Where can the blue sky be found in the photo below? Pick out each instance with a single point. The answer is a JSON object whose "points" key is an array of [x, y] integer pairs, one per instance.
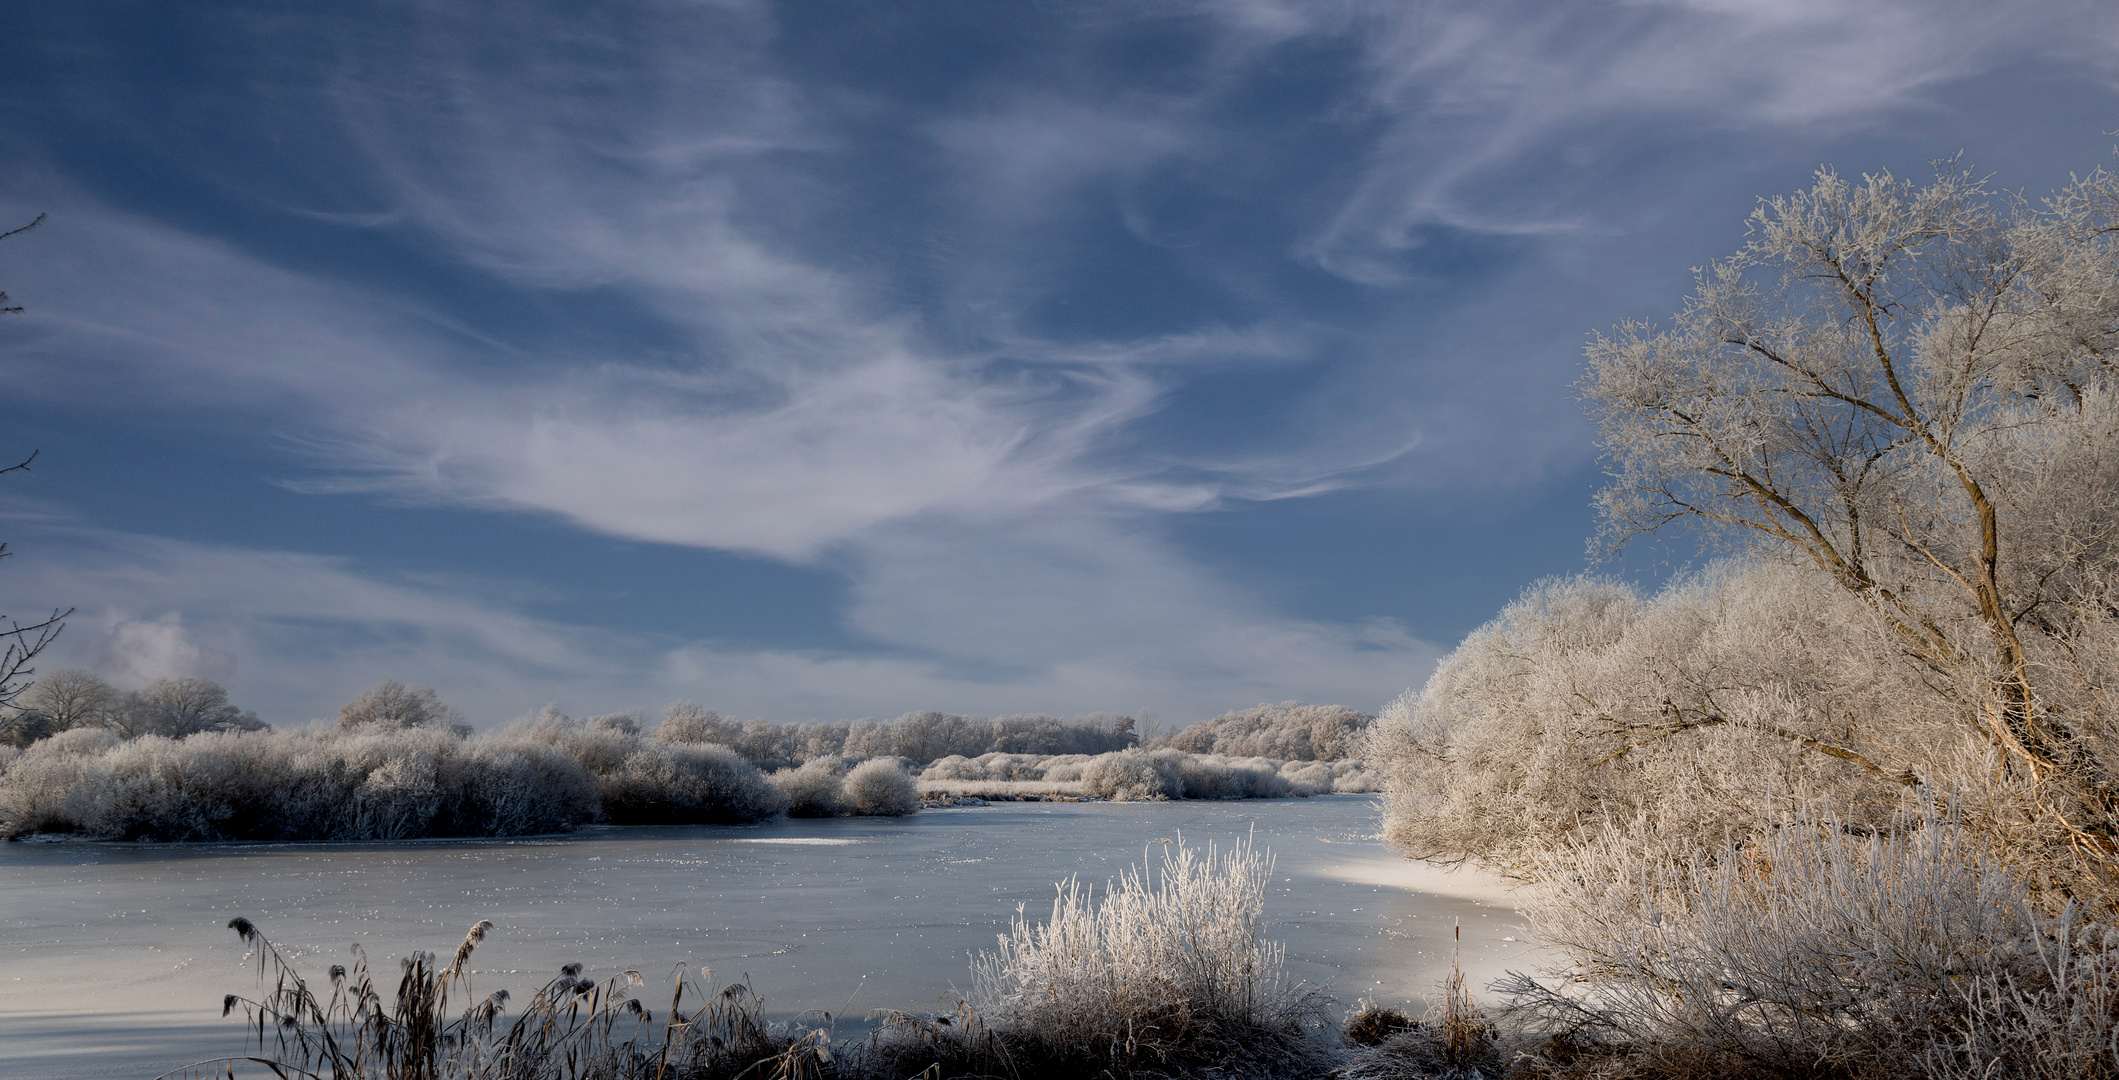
{"points": [[820, 360]]}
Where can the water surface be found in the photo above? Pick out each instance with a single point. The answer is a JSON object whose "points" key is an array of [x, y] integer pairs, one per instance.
{"points": [[114, 957]]}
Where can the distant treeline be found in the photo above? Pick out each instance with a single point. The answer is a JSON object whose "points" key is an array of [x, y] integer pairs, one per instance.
{"points": [[64, 700], [1289, 731], [397, 766], [1136, 774], [918, 737], [174, 761]]}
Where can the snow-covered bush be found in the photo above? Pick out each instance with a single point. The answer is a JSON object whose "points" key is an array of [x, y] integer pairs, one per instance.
{"points": [[959, 767], [1017, 766], [1066, 768], [315, 784], [1128, 776], [1315, 776], [814, 789], [682, 784], [1203, 776], [1895, 953], [374, 781], [1169, 967], [881, 787], [1709, 706]]}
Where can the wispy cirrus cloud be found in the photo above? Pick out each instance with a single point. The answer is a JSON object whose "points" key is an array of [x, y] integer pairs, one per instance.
{"points": [[1489, 107], [295, 635], [970, 330]]}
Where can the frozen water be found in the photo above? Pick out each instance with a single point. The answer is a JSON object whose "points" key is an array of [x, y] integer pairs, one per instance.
{"points": [[114, 957]]}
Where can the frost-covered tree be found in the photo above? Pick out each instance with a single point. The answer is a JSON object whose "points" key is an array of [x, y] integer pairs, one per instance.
{"points": [[1910, 390], [178, 707], [391, 704], [59, 701]]}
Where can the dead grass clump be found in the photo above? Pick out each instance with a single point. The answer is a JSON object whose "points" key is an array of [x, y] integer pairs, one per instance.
{"points": [[1454, 1041], [436, 1026], [1169, 970], [1373, 1024]]}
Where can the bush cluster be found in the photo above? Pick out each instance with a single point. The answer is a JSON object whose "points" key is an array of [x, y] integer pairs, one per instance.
{"points": [[830, 786], [916, 737], [1289, 731], [315, 784], [373, 781], [1137, 774]]}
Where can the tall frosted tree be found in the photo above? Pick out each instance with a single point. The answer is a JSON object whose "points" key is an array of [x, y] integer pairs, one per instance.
{"points": [[1910, 389]]}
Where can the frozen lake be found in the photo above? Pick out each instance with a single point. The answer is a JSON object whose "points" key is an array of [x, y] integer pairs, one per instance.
{"points": [[114, 957]]}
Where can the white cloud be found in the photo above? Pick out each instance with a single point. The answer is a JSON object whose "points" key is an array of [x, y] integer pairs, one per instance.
{"points": [[139, 651], [1482, 98], [296, 635]]}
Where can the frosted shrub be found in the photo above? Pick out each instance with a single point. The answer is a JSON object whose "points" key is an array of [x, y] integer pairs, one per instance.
{"points": [[994, 766], [1355, 776], [1287, 731], [931, 736], [688, 785], [78, 741], [1705, 706], [662, 780], [301, 785], [958, 767], [685, 722], [1014, 766], [1170, 966], [880, 787], [1216, 777], [1812, 948], [919, 737], [1129, 776], [600, 743], [814, 789], [521, 787], [1066, 768], [1311, 775]]}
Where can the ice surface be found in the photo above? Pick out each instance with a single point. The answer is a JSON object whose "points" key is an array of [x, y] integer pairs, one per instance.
{"points": [[114, 957]]}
